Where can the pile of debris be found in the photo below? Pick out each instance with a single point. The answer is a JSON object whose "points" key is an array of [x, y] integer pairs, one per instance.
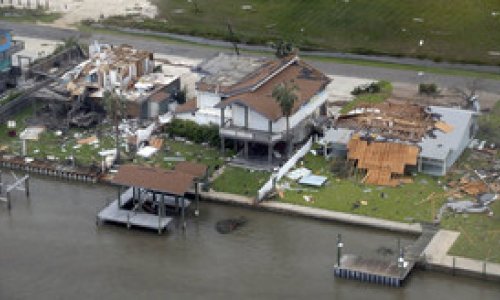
{"points": [[393, 120]]}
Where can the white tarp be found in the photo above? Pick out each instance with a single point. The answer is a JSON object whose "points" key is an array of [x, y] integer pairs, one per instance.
{"points": [[147, 151], [313, 180], [298, 173]]}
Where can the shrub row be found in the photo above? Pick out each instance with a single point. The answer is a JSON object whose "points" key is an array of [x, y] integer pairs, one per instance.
{"points": [[194, 132]]}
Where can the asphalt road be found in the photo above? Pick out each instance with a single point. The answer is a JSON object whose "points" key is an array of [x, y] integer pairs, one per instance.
{"points": [[201, 52]]}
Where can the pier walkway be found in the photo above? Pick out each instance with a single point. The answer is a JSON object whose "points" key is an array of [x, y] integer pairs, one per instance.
{"points": [[391, 273]]}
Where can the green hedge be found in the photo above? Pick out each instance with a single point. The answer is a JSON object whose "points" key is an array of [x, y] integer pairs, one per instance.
{"points": [[194, 132]]}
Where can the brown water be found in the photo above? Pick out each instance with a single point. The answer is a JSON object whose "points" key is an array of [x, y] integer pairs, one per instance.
{"points": [[50, 248]]}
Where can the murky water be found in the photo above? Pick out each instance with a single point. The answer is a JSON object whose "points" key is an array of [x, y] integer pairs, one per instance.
{"points": [[50, 248]]}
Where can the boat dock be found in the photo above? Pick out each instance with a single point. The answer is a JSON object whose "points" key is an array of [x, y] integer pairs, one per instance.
{"points": [[115, 213], [150, 193], [391, 273]]}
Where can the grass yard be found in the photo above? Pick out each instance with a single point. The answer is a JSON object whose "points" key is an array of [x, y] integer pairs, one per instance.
{"points": [[480, 238], [240, 181], [406, 203], [464, 31], [385, 92], [190, 151]]}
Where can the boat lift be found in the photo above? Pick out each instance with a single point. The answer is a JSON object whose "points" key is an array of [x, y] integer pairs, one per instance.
{"points": [[17, 185], [156, 187]]}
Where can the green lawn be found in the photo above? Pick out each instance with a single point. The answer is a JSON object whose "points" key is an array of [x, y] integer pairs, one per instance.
{"points": [[480, 234], [240, 181], [385, 92], [464, 31], [191, 152], [404, 203]]}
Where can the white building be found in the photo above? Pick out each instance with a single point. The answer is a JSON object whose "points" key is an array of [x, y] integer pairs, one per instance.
{"points": [[440, 151], [33, 4]]}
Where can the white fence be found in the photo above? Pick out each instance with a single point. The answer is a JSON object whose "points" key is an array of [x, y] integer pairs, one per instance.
{"points": [[275, 177]]}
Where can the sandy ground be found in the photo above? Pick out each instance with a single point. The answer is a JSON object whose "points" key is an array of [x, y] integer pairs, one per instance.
{"points": [[341, 86], [35, 48], [77, 10]]}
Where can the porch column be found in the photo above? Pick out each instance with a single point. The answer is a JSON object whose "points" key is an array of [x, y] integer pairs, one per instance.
{"points": [[245, 150], [222, 121], [270, 154], [119, 197], [222, 118], [246, 117], [270, 145]]}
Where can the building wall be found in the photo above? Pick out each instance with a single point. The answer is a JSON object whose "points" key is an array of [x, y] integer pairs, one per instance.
{"points": [[206, 100], [440, 167], [464, 142], [256, 121], [206, 117]]}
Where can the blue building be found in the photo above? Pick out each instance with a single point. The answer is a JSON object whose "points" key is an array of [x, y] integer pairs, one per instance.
{"points": [[8, 73]]}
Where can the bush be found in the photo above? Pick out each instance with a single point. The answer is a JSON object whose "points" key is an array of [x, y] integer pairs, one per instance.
{"points": [[372, 88], [194, 132], [428, 88]]}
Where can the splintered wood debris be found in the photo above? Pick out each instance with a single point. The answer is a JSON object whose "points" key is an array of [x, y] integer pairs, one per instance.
{"points": [[393, 119]]}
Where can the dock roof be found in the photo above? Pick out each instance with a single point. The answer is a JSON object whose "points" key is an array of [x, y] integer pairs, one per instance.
{"points": [[155, 179], [191, 168]]}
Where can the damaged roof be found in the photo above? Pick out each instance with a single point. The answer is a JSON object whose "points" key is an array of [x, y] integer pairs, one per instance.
{"points": [[308, 80], [394, 120]]}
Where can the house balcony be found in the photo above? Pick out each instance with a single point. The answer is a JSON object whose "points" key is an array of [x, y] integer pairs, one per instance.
{"points": [[246, 134]]}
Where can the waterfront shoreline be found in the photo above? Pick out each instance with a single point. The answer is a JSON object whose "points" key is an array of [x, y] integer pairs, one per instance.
{"points": [[436, 257]]}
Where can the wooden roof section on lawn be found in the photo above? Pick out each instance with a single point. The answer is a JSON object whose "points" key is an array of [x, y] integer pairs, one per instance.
{"points": [[382, 160], [155, 179]]}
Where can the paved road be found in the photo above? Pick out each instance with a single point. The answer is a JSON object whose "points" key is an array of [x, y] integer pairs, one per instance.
{"points": [[193, 51]]}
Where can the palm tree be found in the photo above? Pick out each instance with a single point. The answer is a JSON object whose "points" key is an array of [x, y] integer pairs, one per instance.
{"points": [[115, 108], [285, 94]]}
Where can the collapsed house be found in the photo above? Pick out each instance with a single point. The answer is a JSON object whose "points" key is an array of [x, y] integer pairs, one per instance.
{"points": [[126, 71], [393, 137], [236, 94]]}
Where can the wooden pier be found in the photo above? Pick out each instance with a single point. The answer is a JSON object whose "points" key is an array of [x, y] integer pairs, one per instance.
{"points": [[390, 273]]}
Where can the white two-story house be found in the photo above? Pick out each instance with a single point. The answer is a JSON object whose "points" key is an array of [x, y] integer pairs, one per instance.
{"points": [[236, 95]]}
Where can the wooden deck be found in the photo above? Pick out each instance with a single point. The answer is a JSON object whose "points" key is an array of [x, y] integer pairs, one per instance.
{"points": [[384, 272]]}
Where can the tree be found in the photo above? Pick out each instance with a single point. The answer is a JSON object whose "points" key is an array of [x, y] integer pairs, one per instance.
{"points": [[115, 109], [283, 48], [285, 94], [469, 92]]}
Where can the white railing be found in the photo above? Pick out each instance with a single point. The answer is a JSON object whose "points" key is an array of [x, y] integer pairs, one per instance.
{"points": [[275, 177]]}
